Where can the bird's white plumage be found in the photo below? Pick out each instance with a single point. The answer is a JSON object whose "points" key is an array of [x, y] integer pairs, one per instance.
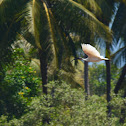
{"points": [[90, 50], [93, 54]]}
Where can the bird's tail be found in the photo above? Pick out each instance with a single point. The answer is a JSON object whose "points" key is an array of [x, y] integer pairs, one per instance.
{"points": [[105, 59]]}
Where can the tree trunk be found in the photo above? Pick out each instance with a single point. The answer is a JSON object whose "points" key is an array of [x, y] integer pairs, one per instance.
{"points": [[123, 112], [121, 78], [118, 85], [43, 67], [108, 79], [86, 81]]}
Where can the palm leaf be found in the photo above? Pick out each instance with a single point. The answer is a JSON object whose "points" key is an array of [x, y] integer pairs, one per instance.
{"points": [[9, 26], [120, 23], [67, 48], [64, 48], [36, 22], [107, 9], [44, 32], [92, 16], [81, 21], [119, 56], [92, 6], [54, 45]]}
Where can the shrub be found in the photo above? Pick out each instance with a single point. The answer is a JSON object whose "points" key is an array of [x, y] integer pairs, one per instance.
{"points": [[18, 87], [65, 106]]}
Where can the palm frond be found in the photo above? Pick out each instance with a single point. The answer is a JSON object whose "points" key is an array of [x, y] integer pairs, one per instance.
{"points": [[65, 48], [55, 48], [92, 6], [14, 6], [8, 25], [36, 22], [92, 16], [108, 9], [119, 25], [119, 56], [80, 20], [29, 37]]}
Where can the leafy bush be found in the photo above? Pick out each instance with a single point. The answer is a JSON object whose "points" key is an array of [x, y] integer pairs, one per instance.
{"points": [[65, 106], [3, 120], [18, 87]]}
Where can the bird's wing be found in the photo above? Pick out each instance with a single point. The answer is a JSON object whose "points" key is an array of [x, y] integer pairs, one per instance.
{"points": [[90, 50]]}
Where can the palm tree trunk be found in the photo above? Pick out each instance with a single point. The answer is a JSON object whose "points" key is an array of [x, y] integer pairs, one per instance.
{"points": [[108, 79], [121, 78], [123, 112], [117, 87], [86, 80], [43, 67]]}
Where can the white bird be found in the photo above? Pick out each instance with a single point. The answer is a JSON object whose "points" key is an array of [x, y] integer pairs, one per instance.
{"points": [[92, 53]]}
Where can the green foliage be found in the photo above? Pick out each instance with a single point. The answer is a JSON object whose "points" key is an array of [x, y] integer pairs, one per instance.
{"points": [[3, 120], [18, 86], [65, 106], [117, 104], [97, 78], [49, 29]]}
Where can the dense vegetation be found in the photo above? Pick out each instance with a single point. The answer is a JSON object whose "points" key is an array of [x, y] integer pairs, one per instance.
{"points": [[39, 85], [68, 107]]}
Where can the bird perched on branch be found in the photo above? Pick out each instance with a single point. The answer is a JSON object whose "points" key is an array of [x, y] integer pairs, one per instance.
{"points": [[92, 53]]}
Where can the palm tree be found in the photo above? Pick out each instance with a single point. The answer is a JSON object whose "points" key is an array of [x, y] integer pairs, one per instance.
{"points": [[50, 29], [94, 7], [120, 37], [117, 28], [120, 55], [48, 25], [106, 19]]}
